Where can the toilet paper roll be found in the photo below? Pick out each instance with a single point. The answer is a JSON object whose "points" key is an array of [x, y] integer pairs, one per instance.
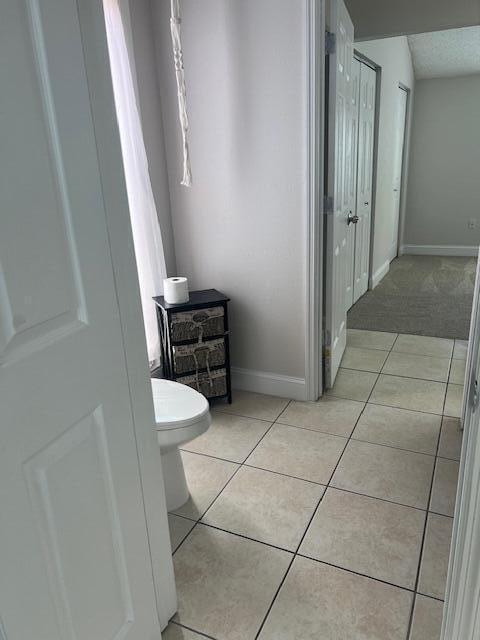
{"points": [[175, 290]]}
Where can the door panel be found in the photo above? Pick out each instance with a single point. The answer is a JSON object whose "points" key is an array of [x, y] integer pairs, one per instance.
{"points": [[58, 486], [352, 178], [74, 549], [340, 175], [364, 193], [398, 147]]}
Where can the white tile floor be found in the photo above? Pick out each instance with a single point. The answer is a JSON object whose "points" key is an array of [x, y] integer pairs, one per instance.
{"points": [[327, 520]]}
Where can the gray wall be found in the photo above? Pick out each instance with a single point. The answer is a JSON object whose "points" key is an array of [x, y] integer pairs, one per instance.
{"points": [[444, 183], [240, 227], [393, 56], [385, 18]]}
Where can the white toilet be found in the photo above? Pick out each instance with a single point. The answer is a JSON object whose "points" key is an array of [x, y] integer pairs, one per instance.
{"points": [[181, 414]]}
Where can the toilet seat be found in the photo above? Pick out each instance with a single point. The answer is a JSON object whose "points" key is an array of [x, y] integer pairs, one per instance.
{"points": [[176, 405]]}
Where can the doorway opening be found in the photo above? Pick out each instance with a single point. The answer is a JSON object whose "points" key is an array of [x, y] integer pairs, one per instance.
{"points": [[424, 240], [400, 344]]}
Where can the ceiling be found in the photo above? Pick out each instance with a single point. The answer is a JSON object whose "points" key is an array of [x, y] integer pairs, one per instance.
{"points": [[454, 52], [386, 18]]}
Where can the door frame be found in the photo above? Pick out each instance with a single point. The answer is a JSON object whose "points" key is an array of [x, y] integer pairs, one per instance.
{"points": [[462, 597], [315, 195], [461, 612], [107, 137], [404, 174]]}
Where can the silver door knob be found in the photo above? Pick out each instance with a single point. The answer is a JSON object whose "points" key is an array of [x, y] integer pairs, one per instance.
{"points": [[352, 218]]}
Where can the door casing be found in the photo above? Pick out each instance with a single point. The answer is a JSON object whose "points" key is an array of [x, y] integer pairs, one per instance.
{"points": [[315, 57], [461, 617], [403, 173]]}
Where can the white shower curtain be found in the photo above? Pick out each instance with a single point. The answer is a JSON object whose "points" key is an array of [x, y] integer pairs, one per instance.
{"points": [[145, 226]]}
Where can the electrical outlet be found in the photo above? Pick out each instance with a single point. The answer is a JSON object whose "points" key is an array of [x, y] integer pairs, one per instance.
{"points": [[472, 223]]}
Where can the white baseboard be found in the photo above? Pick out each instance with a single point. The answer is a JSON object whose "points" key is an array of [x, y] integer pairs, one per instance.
{"points": [[379, 274], [438, 250], [272, 384]]}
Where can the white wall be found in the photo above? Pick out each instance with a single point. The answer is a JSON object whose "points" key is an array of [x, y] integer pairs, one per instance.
{"points": [[393, 56], [240, 228], [444, 183], [137, 21], [385, 18]]}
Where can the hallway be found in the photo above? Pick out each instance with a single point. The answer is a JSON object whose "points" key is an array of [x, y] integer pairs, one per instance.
{"points": [[421, 295], [329, 519]]}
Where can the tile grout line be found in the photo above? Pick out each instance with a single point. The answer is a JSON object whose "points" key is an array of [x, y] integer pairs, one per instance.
{"points": [[301, 540], [275, 595], [335, 435], [328, 485], [412, 609], [395, 341], [184, 626], [240, 465], [448, 378], [350, 437], [358, 573], [400, 375], [317, 560], [241, 415], [364, 402], [244, 537], [296, 553], [422, 545], [318, 484]]}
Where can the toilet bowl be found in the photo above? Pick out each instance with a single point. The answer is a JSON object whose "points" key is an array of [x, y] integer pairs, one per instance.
{"points": [[181, 414]]}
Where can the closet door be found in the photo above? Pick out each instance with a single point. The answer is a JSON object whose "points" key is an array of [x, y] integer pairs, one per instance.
{"points": [[351, 175], [364, 180]]}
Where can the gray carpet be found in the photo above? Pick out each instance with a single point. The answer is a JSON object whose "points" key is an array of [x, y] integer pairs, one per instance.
{"points": [[423, 295]]}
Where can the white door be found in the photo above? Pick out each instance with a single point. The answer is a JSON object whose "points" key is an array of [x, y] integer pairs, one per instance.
{"points": [[338, 187], [352, 161], [461, 616], [74, 552], [398, 146], [364, 193]]}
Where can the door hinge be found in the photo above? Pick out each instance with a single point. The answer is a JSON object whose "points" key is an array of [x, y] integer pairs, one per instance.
{"points": [[330, 42], [326, 338], [327, 204], [474, 396]]}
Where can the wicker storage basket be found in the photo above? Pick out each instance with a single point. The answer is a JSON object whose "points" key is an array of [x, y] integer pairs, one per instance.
{"points": [[201, 355], [198, 324], [210, 386]]}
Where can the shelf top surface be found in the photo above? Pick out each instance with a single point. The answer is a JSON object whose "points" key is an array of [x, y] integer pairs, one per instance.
{"points": [[196, 298]]}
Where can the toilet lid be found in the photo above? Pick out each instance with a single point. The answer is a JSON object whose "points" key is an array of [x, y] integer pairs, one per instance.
{"points": [[177, 405]]}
